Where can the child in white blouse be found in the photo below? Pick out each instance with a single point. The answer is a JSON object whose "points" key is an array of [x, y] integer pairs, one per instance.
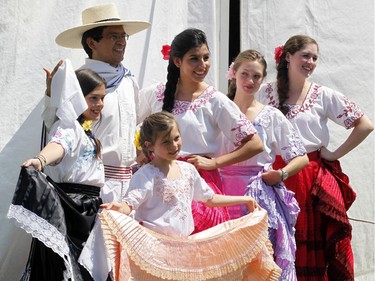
{"points": [[161, 192], [60, 210]]}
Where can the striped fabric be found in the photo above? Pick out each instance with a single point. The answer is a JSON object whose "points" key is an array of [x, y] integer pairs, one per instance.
{"points": [[117, 173]]}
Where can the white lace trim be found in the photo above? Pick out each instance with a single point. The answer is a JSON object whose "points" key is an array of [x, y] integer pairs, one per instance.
{"points": [[46, 233]]}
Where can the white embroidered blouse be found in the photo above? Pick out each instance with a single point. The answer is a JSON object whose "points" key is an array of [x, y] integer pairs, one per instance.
{"points": [[311, 117], [279, 138], [201, 121], [79, 164], [164, 205]]}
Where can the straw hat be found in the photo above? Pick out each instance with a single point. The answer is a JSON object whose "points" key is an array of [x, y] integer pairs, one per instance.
{"points": [[103, 15]]}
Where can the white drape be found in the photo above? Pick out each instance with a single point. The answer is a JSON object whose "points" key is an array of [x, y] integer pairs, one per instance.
{"points": [[28, 30], [344, 31], [343, 28]]}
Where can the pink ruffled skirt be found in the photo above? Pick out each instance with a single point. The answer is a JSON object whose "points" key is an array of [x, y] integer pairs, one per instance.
{"points": [[234, 250]]}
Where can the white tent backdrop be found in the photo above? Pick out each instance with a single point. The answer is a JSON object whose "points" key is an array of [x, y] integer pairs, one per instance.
{"points": [[344, 30], [28, 30]]}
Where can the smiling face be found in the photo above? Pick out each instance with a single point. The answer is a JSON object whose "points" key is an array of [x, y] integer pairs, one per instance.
{"points": [[249, 77], [167, 145], [111, 48], [95, 103], [304, 61], [194, 65]]}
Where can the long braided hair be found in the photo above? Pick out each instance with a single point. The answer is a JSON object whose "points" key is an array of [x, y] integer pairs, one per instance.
{"points": [[248, 55], [294, 44], [89, 80], [181, 44]]}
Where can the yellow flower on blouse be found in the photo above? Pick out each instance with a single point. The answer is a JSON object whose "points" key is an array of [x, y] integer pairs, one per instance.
{"points": [[87, 125]]}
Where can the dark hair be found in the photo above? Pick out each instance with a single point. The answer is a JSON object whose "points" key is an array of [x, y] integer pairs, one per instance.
{"points": [[294, 44], [181, 44], [248, 55], [160, 122], [89, 80], [96, 34]]}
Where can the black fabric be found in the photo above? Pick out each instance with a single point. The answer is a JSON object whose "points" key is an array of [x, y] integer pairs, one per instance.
{"points": [[70, 208]]}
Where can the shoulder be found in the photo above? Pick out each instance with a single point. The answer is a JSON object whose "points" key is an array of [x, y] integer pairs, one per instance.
{"points": [[185, 165], [274, 112], [325, 91], [218, 99], [66, 125], [212, 92], [132, 80], [327, 95], [154, 90], [268, 87], [187, 168], [269, 116], [267, 93], [144, 173]]}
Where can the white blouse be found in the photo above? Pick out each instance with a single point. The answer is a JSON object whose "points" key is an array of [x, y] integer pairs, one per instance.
{"points": [[279, 138], [117, 125], [79, 164], [164, 205], [201, 121], [310, 119]]}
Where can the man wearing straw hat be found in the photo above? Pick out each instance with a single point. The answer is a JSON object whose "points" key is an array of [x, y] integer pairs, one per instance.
{"points": [[104, 37]]}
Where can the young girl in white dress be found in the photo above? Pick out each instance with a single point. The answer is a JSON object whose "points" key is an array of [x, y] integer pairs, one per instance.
{"points": [[255, 176], [161, 193], [59, 210]]}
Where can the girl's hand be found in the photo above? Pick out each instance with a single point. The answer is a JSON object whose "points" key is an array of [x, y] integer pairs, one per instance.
{"points": [[251, 204], [271, 177], [33, 162], [201, 162], [326, 154], [121, 207], [49, 76]]}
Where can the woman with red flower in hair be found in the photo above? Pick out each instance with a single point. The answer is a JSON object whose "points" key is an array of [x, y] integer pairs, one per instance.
{"points": [[203, 114], [323, 232]]}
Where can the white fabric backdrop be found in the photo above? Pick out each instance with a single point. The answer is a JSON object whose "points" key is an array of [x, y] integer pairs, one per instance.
{"points": [[28, 30], [344, 31]]}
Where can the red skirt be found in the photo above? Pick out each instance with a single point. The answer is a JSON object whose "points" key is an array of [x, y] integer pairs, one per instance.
{"points": [[207, 217], [323, 231]]}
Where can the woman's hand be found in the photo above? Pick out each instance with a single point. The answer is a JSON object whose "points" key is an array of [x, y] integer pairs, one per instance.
{"points": [[327, 155], [201, 162], [271, 177]]}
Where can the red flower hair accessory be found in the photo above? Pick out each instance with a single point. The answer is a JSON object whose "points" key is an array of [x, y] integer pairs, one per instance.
{"points": [[165, 51], [278, 52]]}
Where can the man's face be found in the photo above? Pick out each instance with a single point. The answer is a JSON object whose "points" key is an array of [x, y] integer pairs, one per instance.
{"points": [[111, 48]]}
